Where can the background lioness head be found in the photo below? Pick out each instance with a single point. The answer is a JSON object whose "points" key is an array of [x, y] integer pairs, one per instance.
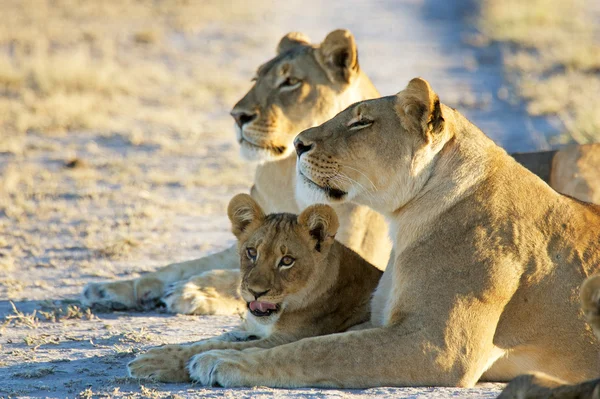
{"points": [[281, 254], [304, 85], [384, 145], [590, 301]]}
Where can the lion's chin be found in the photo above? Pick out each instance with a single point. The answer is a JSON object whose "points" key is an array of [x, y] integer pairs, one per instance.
{"points": [[308, 192], [254, 153]]}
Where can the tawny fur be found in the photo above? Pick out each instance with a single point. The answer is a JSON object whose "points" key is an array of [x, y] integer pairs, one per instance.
{"points": [[330, 80], [488, 259], [326, 78], [327, 289], [535, 386]]}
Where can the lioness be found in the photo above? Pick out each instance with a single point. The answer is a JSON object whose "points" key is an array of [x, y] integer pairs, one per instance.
{"points": [[488, 259], [297, 282], [304, 85], [544, 386]]}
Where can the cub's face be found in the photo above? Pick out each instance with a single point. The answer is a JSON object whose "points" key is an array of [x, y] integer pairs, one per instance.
{"points": [[375, 152], [304, 85], [281, 255]]}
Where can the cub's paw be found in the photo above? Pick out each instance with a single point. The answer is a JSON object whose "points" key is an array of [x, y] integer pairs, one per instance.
{"points": [[216, 368], [165, 364], [201, 296], [590, 302]]}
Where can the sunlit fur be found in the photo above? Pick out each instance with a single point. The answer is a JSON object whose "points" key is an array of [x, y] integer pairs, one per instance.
{"points": [[487, 265], [544, 386], [329, 78], [326, 290]]}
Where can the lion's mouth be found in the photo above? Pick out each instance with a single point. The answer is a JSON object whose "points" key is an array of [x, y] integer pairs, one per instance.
{"points": [[331, 192], [278, 150], [262, 309]]}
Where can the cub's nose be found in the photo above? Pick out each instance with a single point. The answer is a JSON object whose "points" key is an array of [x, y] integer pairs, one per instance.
{"points": [[301, 147], [243, 117], [258, 294]]}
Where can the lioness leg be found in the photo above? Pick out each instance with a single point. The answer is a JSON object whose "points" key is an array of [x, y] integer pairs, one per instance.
{"points": [[391, 356], [146, 291], [169, 363]]}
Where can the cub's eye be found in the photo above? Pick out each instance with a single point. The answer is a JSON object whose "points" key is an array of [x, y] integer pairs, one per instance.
{"points": [[251, 252], [286, 261], [290, 83], [359, 124]]}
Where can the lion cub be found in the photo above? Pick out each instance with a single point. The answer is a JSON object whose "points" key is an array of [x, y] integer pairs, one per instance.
{"points": [[544, 386], [296, 279]]}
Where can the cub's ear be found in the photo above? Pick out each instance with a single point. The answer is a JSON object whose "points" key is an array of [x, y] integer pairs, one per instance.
{"points": [[590, 302], [322, 224], [291, 40], [338, 55], [419, 108], [244, 211]]}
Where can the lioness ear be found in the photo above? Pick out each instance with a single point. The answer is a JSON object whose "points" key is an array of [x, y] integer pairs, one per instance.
{"points": [[243, 211], [291, 40], [338, 56], [419, 107], [322, 223]]}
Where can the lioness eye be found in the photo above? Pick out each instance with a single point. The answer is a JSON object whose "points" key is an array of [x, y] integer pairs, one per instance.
{"points": [[251, 252], [289, 82], [286, 261], [360, 124]]}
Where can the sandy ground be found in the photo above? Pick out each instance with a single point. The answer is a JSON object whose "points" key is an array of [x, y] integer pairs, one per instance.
{"points": [[93, 204]]}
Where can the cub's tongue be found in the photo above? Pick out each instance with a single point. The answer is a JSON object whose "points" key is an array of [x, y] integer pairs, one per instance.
{"points": [[262, 306]]}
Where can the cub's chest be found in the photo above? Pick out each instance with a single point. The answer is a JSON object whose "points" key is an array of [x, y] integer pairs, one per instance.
{"points": [[260, 326]]}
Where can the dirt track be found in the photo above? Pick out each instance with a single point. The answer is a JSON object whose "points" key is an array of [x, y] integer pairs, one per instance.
{"points": [[148, 185]]}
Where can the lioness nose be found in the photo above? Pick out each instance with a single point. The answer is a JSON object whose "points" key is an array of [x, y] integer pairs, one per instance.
{"points": [[301, 147], [258, 294], [242, 117]]}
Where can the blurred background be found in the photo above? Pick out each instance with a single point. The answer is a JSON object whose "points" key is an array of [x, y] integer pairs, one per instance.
{"points": [[117, 153]]}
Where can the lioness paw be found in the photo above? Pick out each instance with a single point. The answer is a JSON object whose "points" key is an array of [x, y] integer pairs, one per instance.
{"points": [[109, 296], [143, 293], [165, 364], [187, 298], [216, 368], [199, 296]]}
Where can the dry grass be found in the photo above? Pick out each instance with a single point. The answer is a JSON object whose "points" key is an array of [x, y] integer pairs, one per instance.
{"points": [[63, 67], [111, 114], [19, 318], [552, 56]]}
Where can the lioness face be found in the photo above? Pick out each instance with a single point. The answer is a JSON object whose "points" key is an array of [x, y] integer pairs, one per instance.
{"points": [[382, 145], [304, 85], [281, 255]]}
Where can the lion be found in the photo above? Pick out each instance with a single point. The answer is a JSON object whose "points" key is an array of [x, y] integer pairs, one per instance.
{"points": [[303, 86], [543, 386], [297, 282], [487, 259]]}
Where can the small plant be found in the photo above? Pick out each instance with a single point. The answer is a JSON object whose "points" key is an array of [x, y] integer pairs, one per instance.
{"points": [[19, 318]]}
